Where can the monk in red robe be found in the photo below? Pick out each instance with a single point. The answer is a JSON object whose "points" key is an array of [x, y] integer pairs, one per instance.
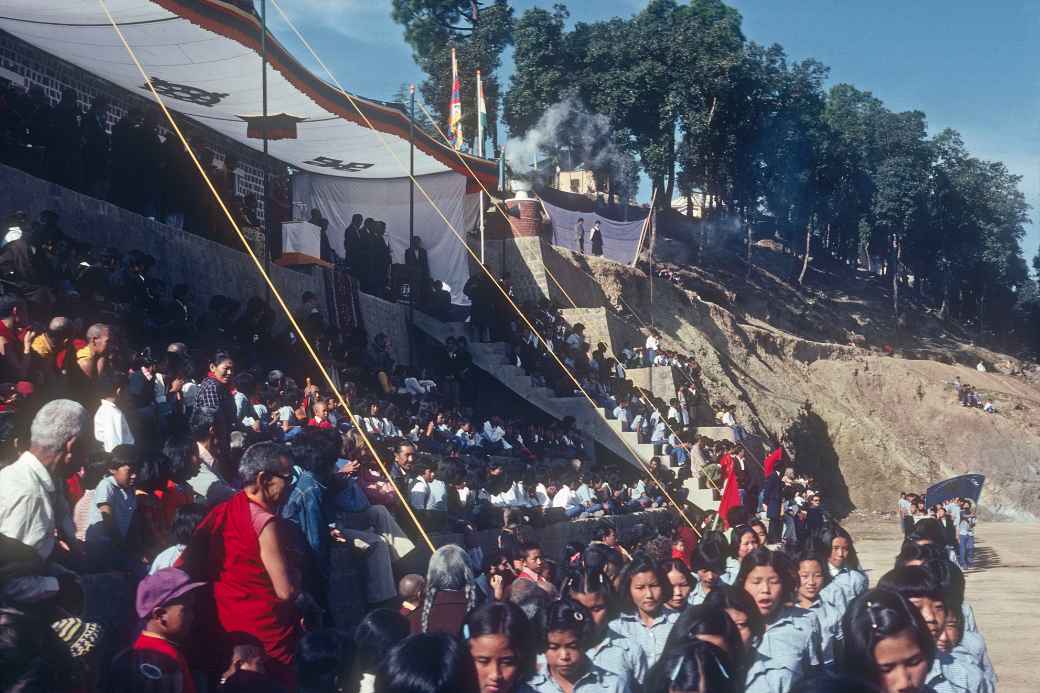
{"points": [[240, 548]]}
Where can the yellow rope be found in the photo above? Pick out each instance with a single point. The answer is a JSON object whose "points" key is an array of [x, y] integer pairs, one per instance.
{"points": [[469, 250], [274, 289]]}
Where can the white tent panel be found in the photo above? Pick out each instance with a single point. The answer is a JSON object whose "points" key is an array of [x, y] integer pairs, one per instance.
{"points": [[202, 56], [339, 199]]}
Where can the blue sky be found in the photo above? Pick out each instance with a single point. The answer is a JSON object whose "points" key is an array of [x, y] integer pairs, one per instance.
{"points": [[969, 66]]}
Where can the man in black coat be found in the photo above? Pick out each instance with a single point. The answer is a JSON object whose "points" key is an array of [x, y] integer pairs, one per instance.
{"points": [[772, 497]]}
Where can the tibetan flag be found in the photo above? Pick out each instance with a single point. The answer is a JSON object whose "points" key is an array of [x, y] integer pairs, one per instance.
{"points": [[481, 116], [455, 122]]}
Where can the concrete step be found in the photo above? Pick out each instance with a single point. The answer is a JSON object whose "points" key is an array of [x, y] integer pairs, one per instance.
{"points": [[716, 432]]}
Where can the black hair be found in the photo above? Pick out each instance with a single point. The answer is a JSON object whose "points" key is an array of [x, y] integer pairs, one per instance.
{"points": [[319, 658], [584, 580], [426, 663], [572, 552], [913, 581], [179, 451], [528, 546], [693, 667], [603, 530], [508, 619], [598, 556], [110, 383], [730, 597], [641, 563], [202, 420], [874, 615], [764, 558], [185, 519], [570, 616], [125, 454], [706, 620], [96, 468], [8, 303], [928, 529], [911, 551], [679, 566], [830, 682], [219, 357], [951, 579], [709, 555], [378, 631], [827, 537], [736, 535], [811, 552], [151, 473]]}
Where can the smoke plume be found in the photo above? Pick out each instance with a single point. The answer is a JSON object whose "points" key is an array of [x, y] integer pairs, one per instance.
{"points": [[571, 136]]}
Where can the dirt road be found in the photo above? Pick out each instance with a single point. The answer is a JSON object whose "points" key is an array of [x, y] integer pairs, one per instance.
{"points": [[1002, 588]]}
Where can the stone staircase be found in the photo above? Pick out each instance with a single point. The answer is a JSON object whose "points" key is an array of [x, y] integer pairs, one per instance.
{"points": [[595, 422]]}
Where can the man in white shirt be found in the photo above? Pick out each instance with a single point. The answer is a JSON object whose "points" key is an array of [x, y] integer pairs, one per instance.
{"points": [[565, 498], [651, 349], [32, 509], [576, 338], [110, 425]]}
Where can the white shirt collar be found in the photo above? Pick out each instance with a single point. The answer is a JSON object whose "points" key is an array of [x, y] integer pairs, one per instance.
{"points": [[36, 468]]}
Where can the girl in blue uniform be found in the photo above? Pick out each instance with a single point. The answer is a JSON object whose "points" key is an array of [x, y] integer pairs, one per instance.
{"points": [[886, 643], [789, 650]]}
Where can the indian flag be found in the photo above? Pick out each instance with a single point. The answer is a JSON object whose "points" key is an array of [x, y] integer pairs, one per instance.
{"points": [[455, 121], [481, 116]]}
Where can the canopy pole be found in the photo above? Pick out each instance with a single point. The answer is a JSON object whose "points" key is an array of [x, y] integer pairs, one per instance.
{"points": [[263, 131], [411, 227]]}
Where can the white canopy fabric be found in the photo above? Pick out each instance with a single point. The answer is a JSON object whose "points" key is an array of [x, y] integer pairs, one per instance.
{"points": [[203, 57], [338, 199]]}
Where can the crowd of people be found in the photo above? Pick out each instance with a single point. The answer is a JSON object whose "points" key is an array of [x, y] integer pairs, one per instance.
{"points": [[180, 475], [969, 396], [955, 515]]}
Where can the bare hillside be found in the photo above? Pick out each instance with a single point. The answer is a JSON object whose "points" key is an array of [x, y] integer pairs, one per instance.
{"points": [[861, 400]]}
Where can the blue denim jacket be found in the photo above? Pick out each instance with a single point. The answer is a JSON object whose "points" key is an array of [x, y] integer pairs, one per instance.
{"points": [[305, 508]]}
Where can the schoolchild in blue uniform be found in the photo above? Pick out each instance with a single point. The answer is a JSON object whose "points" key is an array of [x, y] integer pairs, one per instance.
{"points": [[568, 629], [847, 580], [813, 577], [709, 565], [923, 586], [606, 649], [743, 540], [502, 644], [696, 665], [790, 648], [886, 643], [642, 594]]}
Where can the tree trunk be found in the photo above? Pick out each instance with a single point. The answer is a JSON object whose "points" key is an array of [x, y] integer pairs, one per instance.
{"points": [[808, 247], [894, 269], [750, 244]]}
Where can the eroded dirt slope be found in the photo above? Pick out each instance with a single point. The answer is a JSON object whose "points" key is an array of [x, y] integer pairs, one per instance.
{"points": [[822, 379]]}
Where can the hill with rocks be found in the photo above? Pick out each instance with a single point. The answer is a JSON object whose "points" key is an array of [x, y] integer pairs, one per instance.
{"points": [[863, 401]]}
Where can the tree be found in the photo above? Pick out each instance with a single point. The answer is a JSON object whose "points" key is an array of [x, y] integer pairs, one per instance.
{"points": [[899, 205], [543, 69], [479, 31]]}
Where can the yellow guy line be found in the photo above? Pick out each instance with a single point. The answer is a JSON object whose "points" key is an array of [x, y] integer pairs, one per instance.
{"points": [[274, 290], [469, 250]]}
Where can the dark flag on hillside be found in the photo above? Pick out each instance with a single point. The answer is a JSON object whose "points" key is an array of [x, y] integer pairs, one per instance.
{"points": [[967, 486]]}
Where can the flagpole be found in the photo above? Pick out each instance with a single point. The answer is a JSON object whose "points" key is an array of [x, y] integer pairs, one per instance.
{"points": [[411, 226], [263, 131], [480, 152]]}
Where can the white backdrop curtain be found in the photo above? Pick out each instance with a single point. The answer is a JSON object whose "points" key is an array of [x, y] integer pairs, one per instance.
{"points": [[339, 199], [619, 237]]}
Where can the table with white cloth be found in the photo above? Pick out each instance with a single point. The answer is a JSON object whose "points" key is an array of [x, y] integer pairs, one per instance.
{"points": [[301, 244]]}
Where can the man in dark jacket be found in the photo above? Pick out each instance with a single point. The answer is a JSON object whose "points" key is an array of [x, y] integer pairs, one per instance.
{"points": [[772, 494]]}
